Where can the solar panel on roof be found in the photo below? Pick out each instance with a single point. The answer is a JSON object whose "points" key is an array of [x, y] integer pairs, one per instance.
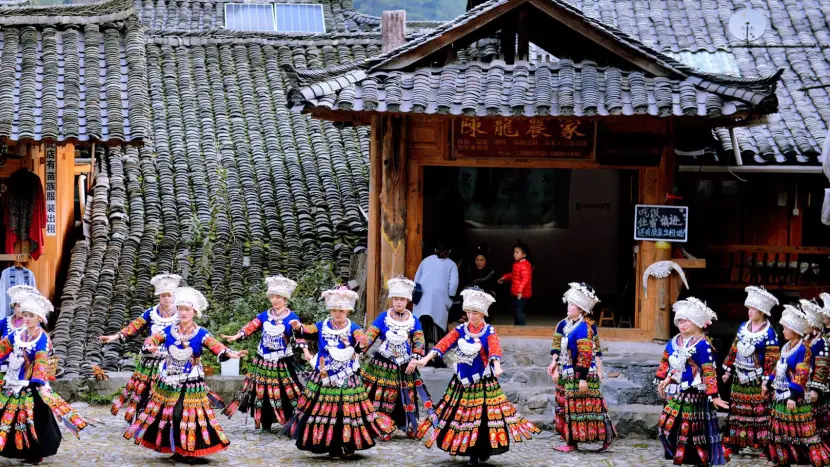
{"points": [[249, 17], [299, 17]]}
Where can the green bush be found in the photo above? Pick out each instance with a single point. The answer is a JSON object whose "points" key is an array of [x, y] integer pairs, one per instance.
{"points": [[228, 318]]}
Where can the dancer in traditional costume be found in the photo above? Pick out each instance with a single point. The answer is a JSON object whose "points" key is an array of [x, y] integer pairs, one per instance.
{"points": [[687, 379], [178, 417], [334, 414], [154, 319], [793, 438], [392, 390], [271, 387], [474, 418], [751, 365], [581, 414], [819, 344], [28, 407], [14, 322]]}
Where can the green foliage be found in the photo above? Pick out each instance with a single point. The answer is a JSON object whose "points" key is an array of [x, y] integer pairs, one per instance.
{"points": [[416, 10], [93, 398], [228, 318]]}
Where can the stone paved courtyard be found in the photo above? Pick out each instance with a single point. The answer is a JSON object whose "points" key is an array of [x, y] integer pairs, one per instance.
{"points": [[103, 444]]}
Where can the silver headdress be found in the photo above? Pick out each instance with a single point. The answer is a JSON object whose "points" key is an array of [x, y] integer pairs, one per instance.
{"points": [[695, 311], [795, 320], [581, 295], [760, 299], [478, 300], [188, 296]]}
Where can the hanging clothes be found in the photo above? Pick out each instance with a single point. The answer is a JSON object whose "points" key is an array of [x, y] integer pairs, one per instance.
{"points": [[9, 278], [24, 213]]}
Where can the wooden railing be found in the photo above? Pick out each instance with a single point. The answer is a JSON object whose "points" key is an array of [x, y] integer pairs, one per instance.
{"points": [[775, 267]]}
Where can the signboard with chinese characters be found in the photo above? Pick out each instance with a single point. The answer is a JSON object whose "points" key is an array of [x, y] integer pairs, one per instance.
{"points": [[51, 189], [628, 146], [661, 223], [523, 138]]}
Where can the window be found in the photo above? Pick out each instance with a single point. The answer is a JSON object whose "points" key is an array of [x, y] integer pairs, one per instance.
{"points": [[249, 17], [306, 18]]}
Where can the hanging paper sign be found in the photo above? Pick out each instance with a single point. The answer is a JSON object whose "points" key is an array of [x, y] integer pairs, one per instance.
{"points": [[661, 223], [51, 190]]}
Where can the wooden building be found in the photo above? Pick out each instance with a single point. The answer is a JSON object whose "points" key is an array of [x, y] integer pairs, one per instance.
{"points": [[470, 95], [68, 90]]}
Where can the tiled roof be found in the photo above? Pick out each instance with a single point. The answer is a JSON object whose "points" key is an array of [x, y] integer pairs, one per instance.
{"points": [[227, 161], [491, 87], [47, 90], [696, 33]]}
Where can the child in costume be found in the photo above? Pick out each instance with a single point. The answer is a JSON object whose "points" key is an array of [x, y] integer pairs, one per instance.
{"points": [[271, 387], [153, 319], [28, 407], [751, 365], [819, 345], [474, 418], [392, 390], [687, 379], [178, 417], [581, 412], [334, 414], [793, 438]]}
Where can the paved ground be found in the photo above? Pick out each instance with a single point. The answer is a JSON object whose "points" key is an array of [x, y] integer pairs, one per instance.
{"points": [[102, 444]]}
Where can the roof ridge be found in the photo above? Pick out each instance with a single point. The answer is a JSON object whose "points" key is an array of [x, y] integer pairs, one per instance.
{"points": [[99, 12], [623, 38], [363, 18]]}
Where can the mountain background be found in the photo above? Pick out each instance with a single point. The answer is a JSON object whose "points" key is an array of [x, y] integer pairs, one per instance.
{"points": [[416, 10]]}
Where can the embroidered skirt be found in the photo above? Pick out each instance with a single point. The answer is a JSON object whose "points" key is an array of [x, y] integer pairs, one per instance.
{"points": [[179, 418], [138, 388], [394, 392], [821, 414], [688, 429], [793, 438], [28, 429], [582, 417], [475, 420], [748, 423], [269, 392], [337, 419]]}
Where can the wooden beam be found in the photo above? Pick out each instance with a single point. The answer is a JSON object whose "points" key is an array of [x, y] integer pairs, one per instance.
{"points": [[508, 42], [523, 32], [653, 313], [793, 250], [414, 218], [373, 248], [393, 196]]}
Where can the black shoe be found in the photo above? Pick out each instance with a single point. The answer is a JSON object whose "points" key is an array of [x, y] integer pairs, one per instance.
{"points": [[348, 453], [484, 458], [473, 461], [192, 460]]}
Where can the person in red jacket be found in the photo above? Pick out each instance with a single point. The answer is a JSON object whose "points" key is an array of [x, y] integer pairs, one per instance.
{"points": [[522, 280]]}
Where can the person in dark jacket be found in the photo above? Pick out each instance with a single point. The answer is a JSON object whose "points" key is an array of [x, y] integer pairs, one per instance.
{"points": [[522, 280]]}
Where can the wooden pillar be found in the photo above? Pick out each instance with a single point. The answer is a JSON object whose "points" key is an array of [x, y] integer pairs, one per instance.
{"points": [[654, 312], [46, 267], [393, 196], [373, 288], [414, 218]]}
